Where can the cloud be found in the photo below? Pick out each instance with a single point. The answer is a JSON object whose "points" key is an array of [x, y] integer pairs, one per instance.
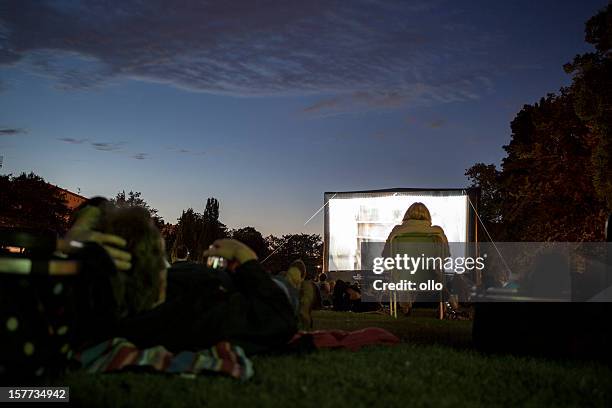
{"points": [[360, 100], [107, 147], [186, 151], [323, 105], [72, 140], [101, 146], [4, 131], [363, 54]]}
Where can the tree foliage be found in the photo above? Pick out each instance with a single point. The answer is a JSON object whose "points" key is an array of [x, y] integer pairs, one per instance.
{"points": [[134, 199], [253, 238], [592, 90], [486, 177], [197, 231], [28, 201], [555, 183], [289, 247]]}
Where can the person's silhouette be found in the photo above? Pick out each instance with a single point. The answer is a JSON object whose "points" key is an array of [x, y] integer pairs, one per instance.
{"points": [[417, 219]]}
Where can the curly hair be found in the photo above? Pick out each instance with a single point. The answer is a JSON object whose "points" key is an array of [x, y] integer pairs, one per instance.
{"points": [[138, 289]]}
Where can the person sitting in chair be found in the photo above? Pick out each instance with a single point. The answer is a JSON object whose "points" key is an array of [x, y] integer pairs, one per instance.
{"points": [[417, 220]]}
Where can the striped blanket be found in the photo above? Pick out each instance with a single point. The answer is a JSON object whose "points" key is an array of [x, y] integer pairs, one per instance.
{"points": [[119, 354]]}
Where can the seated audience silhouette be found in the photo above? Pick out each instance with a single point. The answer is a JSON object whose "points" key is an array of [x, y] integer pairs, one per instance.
{"points": [[417, 227], [417, 219], [180, 254]]}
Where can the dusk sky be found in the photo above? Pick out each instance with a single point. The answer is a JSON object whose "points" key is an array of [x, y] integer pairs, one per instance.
{"points": [[267, 105]]}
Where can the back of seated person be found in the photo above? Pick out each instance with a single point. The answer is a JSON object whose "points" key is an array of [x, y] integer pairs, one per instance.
{"points": [[324, 290], [180, 255], [341, 298]]}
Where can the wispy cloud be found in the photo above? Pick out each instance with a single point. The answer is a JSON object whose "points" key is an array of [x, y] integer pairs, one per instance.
{"points": [[101, 146], [363, 54], [5, 131], [107, 146], [72, 140], [186, 151], [324, 104], [112, 147], [361, 100]]}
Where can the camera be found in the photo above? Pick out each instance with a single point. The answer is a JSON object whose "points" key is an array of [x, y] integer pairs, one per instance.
{"points": [[216, 262]]}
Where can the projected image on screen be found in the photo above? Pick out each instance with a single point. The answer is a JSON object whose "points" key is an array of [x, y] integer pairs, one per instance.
{"points": [[353, 218]]}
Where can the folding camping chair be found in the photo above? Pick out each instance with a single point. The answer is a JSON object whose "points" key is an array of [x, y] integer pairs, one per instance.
{"points": [[417, 244]]}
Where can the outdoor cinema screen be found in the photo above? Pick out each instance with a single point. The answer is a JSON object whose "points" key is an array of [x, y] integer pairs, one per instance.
{"points": [[355, 217]]}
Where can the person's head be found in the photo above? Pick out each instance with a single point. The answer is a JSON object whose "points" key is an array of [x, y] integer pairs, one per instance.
{"points": [[300, 266], [353, 292], [180, 253], [322, 277], [417, 211], [144, 285], [340, 286], [296, 273], [80, 211]]}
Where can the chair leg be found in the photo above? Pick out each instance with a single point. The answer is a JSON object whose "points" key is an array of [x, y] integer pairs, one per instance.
{"points": [[395, 305]]}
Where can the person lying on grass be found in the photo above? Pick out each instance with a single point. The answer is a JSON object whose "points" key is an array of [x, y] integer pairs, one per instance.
{"points": [[190, 309]]}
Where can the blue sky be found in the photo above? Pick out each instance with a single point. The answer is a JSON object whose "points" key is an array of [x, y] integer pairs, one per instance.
{"points": [[266, 105]]}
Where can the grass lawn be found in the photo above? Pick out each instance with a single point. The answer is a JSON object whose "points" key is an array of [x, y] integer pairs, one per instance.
{"points": [[433, 367]]}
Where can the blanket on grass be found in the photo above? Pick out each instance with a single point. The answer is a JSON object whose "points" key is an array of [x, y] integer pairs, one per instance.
{"points": [[119, 354], [353, 340]]}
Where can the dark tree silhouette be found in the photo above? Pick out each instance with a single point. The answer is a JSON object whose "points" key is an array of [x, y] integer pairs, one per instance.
{"points": [[486, 177], [134, 199], [253, 238], [555, 183], [592, 90], [28, 201], [197, 231], [289, 247]]}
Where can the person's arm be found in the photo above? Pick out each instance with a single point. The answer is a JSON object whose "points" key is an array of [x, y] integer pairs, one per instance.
{"points": [[83, 231], [248, 275], [232, 250], [259, 314]]}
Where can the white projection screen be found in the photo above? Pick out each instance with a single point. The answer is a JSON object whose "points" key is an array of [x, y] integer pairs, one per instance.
{"points": [[368, 216]]}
